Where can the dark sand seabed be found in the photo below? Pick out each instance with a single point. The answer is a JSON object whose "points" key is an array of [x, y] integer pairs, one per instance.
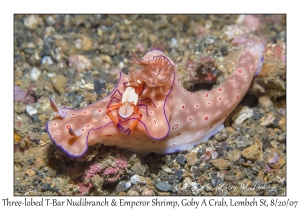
{"points": [[76, 59]]}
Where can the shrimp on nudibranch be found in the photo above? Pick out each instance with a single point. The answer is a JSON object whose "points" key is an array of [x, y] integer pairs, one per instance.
{"points": [[149, 110]]}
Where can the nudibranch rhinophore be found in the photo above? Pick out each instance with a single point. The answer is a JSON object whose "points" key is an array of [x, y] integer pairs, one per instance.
{"points": [[149, 110]]}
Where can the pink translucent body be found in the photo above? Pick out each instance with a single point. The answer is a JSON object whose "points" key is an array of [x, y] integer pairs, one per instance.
{"points": [[179, 121]]}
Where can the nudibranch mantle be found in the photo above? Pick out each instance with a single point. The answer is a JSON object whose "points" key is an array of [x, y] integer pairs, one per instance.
{"points": [[171, 118]]}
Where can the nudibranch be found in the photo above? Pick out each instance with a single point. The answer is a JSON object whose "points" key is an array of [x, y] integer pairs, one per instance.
{"points": [[149, 110]]}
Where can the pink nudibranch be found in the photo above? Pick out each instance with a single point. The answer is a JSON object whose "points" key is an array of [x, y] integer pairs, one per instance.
{"points": [[173, 118]]}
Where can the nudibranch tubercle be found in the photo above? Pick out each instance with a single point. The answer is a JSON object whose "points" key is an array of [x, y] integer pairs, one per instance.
{"points": [[173, 118]]}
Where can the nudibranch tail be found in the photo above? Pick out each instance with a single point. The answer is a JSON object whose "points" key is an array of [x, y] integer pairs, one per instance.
{"points": [[226, 97], [197, 116], [223, 99]]}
